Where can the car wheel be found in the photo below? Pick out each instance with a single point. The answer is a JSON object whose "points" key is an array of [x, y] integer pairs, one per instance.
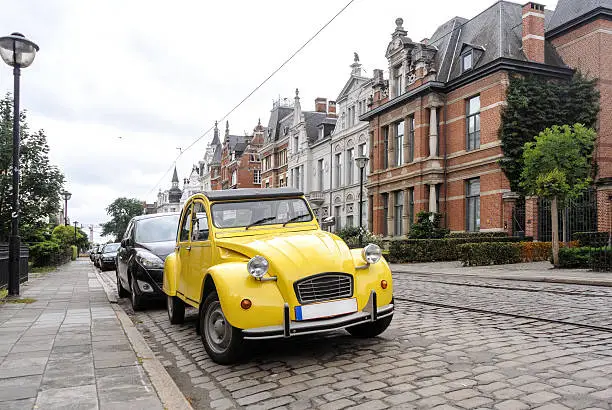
{"points": [[176, 310], [368, 330], [135, 297], [222, 341], [120, 290]]}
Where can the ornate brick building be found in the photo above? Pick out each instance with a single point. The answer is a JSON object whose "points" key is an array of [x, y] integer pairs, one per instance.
{"points": [[434, 127], [240, 163]]}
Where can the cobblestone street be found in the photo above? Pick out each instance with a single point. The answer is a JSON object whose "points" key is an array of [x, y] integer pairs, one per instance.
{"points": [[431, 355]]}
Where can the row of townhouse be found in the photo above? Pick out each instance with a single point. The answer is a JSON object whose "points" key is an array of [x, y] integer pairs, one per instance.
{"points": [[430, 130]]}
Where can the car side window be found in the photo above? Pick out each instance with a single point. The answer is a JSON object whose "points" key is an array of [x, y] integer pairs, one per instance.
{"points": [[199, 231], [185, 225]]}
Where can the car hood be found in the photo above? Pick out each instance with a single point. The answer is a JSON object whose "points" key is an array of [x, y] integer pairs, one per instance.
{"points": [[294, 255], [159, 249]]}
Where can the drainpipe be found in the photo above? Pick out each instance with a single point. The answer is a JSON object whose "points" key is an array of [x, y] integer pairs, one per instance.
{"points": [[445, 169]]}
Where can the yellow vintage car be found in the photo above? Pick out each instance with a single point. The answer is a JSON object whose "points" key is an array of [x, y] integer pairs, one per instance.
{"points": [[258, 266]]}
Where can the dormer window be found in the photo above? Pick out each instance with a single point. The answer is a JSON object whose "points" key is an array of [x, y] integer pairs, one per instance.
{"points": [[398, 83], [467, 61]]}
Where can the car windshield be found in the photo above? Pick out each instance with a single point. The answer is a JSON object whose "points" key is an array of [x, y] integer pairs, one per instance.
{"points": [[111, 247], [157, 229], [261, 212]]}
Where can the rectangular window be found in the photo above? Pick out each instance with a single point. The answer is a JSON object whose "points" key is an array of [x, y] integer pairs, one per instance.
{"points": [[320, 174], [398, 212], [473, 123], [411, 127], [234, 177], [371, 213], [410, 206], [337, 215], [353, 116], [296, 143], [349, 221], [472, 200], [399, 89], [466, 61], [283, 158], [361, 150], [257, 176], [385, 131], [399, 143], [338, 169], [254, 157], [350, 165], [385, 225]]}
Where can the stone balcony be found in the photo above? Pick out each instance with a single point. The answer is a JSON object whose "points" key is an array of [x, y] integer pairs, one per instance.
{"points": [[316, 197]]}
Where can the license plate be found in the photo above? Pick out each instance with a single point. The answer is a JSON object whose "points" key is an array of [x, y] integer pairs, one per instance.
{"points": [[326, 309]]}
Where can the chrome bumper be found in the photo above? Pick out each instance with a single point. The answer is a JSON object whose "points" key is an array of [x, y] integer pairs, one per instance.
{"points": [[291, 328]]}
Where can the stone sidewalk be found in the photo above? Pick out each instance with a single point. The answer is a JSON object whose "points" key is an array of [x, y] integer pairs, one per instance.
{"points": [[532, 272], [68, 349]]}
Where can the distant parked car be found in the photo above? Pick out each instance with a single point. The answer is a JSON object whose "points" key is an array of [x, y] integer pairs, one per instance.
{"points": [[108, 256], [147, 241], [92, 253], [97, 256]]}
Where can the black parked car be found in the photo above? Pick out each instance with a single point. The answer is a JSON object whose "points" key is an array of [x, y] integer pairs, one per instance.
{"points": [[147, 241], [108, 256], [97, 254], [92, 253]]}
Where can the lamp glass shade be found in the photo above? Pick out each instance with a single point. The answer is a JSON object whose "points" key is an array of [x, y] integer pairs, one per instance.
{"points": [[361, 162], [17, 51], [67, 195]]}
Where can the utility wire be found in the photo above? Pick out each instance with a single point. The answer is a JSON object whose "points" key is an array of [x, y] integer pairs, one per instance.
{"points": [[253, 91]]}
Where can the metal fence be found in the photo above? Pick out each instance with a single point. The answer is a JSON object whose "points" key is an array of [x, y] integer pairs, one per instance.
{"points": [[518, 218], [4, 264], [581, 215]]}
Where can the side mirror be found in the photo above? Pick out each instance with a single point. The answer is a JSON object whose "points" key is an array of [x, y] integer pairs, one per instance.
{"points": [[125, 242], [328, 221]]}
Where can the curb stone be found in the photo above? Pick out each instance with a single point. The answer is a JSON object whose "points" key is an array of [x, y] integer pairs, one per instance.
{"points": [[167, 390]]}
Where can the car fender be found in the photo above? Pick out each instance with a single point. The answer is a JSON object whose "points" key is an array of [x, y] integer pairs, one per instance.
{"points": [[233, 284], [370, 277], [170, 276]]}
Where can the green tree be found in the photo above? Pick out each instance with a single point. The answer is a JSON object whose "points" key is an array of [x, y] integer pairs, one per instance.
{"points": [[40, 183], [535, 103], [558, 167], [121, 210], [64, 234]]}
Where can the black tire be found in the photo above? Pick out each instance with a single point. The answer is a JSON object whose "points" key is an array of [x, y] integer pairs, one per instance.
{"points": [[176, 310], [135, 297], [223, 342], [120, 290], [368, 330]]}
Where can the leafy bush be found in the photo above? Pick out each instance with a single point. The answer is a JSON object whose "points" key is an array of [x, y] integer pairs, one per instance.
{"points": [[601, 259], [536, 251], [477, 235], [591, 239], [427, 226], [489, 253], [350, 235], [575, 257], [49, 253], [434, 250]]}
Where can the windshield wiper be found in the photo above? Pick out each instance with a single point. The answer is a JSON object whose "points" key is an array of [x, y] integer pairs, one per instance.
{"points": [[259, 221], [295, 218]]}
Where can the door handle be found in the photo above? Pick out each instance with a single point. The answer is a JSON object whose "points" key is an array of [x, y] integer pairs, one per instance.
{"points": [[188, 248]]}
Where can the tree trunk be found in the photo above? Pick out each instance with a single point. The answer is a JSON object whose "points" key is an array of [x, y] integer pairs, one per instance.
{"points": [[554, 214]]}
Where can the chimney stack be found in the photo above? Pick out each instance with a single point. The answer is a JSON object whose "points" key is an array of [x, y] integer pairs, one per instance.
{"points": [[331, 108], [321, 104], [533, 32]]}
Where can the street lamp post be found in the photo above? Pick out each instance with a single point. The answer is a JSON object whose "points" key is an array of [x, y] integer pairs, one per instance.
{"points": [[75, 236], [361, 164], [67, 195], [18, 52]]}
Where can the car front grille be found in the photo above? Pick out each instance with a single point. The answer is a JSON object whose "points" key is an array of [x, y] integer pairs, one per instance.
{"points": [[323, 287]]}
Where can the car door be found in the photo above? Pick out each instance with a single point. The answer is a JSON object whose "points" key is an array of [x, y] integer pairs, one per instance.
{"points": [[124, 254], [184, 250], [200, 258]]}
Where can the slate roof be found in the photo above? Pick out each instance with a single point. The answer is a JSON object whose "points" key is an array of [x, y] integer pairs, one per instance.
{"points": [[497, 31], [568, 10], [276, 123], [236, 143], [216, 159]]}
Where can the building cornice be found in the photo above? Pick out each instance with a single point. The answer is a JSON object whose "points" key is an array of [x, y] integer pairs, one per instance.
{"points": [[579, 21], [500, 64]]}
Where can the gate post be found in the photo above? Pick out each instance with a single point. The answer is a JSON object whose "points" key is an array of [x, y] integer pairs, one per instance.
{"points": [[509, 199], [531, 217], [604, 208]]}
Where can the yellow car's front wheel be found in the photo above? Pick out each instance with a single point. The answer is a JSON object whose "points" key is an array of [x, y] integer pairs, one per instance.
{"points": [[223, 342]]}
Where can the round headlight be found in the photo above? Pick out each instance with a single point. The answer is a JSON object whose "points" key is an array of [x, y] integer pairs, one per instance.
{"points": [[371, 253], [257, 266]]}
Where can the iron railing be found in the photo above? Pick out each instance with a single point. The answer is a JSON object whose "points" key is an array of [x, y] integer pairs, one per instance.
{"points": [[4, 264], [581, 215]]}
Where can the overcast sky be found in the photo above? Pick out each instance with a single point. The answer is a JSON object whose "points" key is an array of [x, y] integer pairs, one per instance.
{"points": [[119, 85]]}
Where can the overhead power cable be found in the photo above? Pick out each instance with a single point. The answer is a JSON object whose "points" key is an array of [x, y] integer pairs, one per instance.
{"points": [[235, 107]]}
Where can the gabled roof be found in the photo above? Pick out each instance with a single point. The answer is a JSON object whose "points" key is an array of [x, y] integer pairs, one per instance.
{"points": [[175, 176], [349, 85], [277, 114]]}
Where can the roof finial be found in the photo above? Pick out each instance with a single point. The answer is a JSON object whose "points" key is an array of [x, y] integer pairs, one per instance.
{"points": [[399, 22], [297, 92], [356, 57]]}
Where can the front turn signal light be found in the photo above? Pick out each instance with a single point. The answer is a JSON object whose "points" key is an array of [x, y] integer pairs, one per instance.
{"points": [[245, 304], [383, 284]]}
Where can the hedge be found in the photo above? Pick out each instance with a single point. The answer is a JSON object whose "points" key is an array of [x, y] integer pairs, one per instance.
{"points": [[477, 235], [49, 253], [435, 250], [487, 253], [592, 239], [597, 259]]}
